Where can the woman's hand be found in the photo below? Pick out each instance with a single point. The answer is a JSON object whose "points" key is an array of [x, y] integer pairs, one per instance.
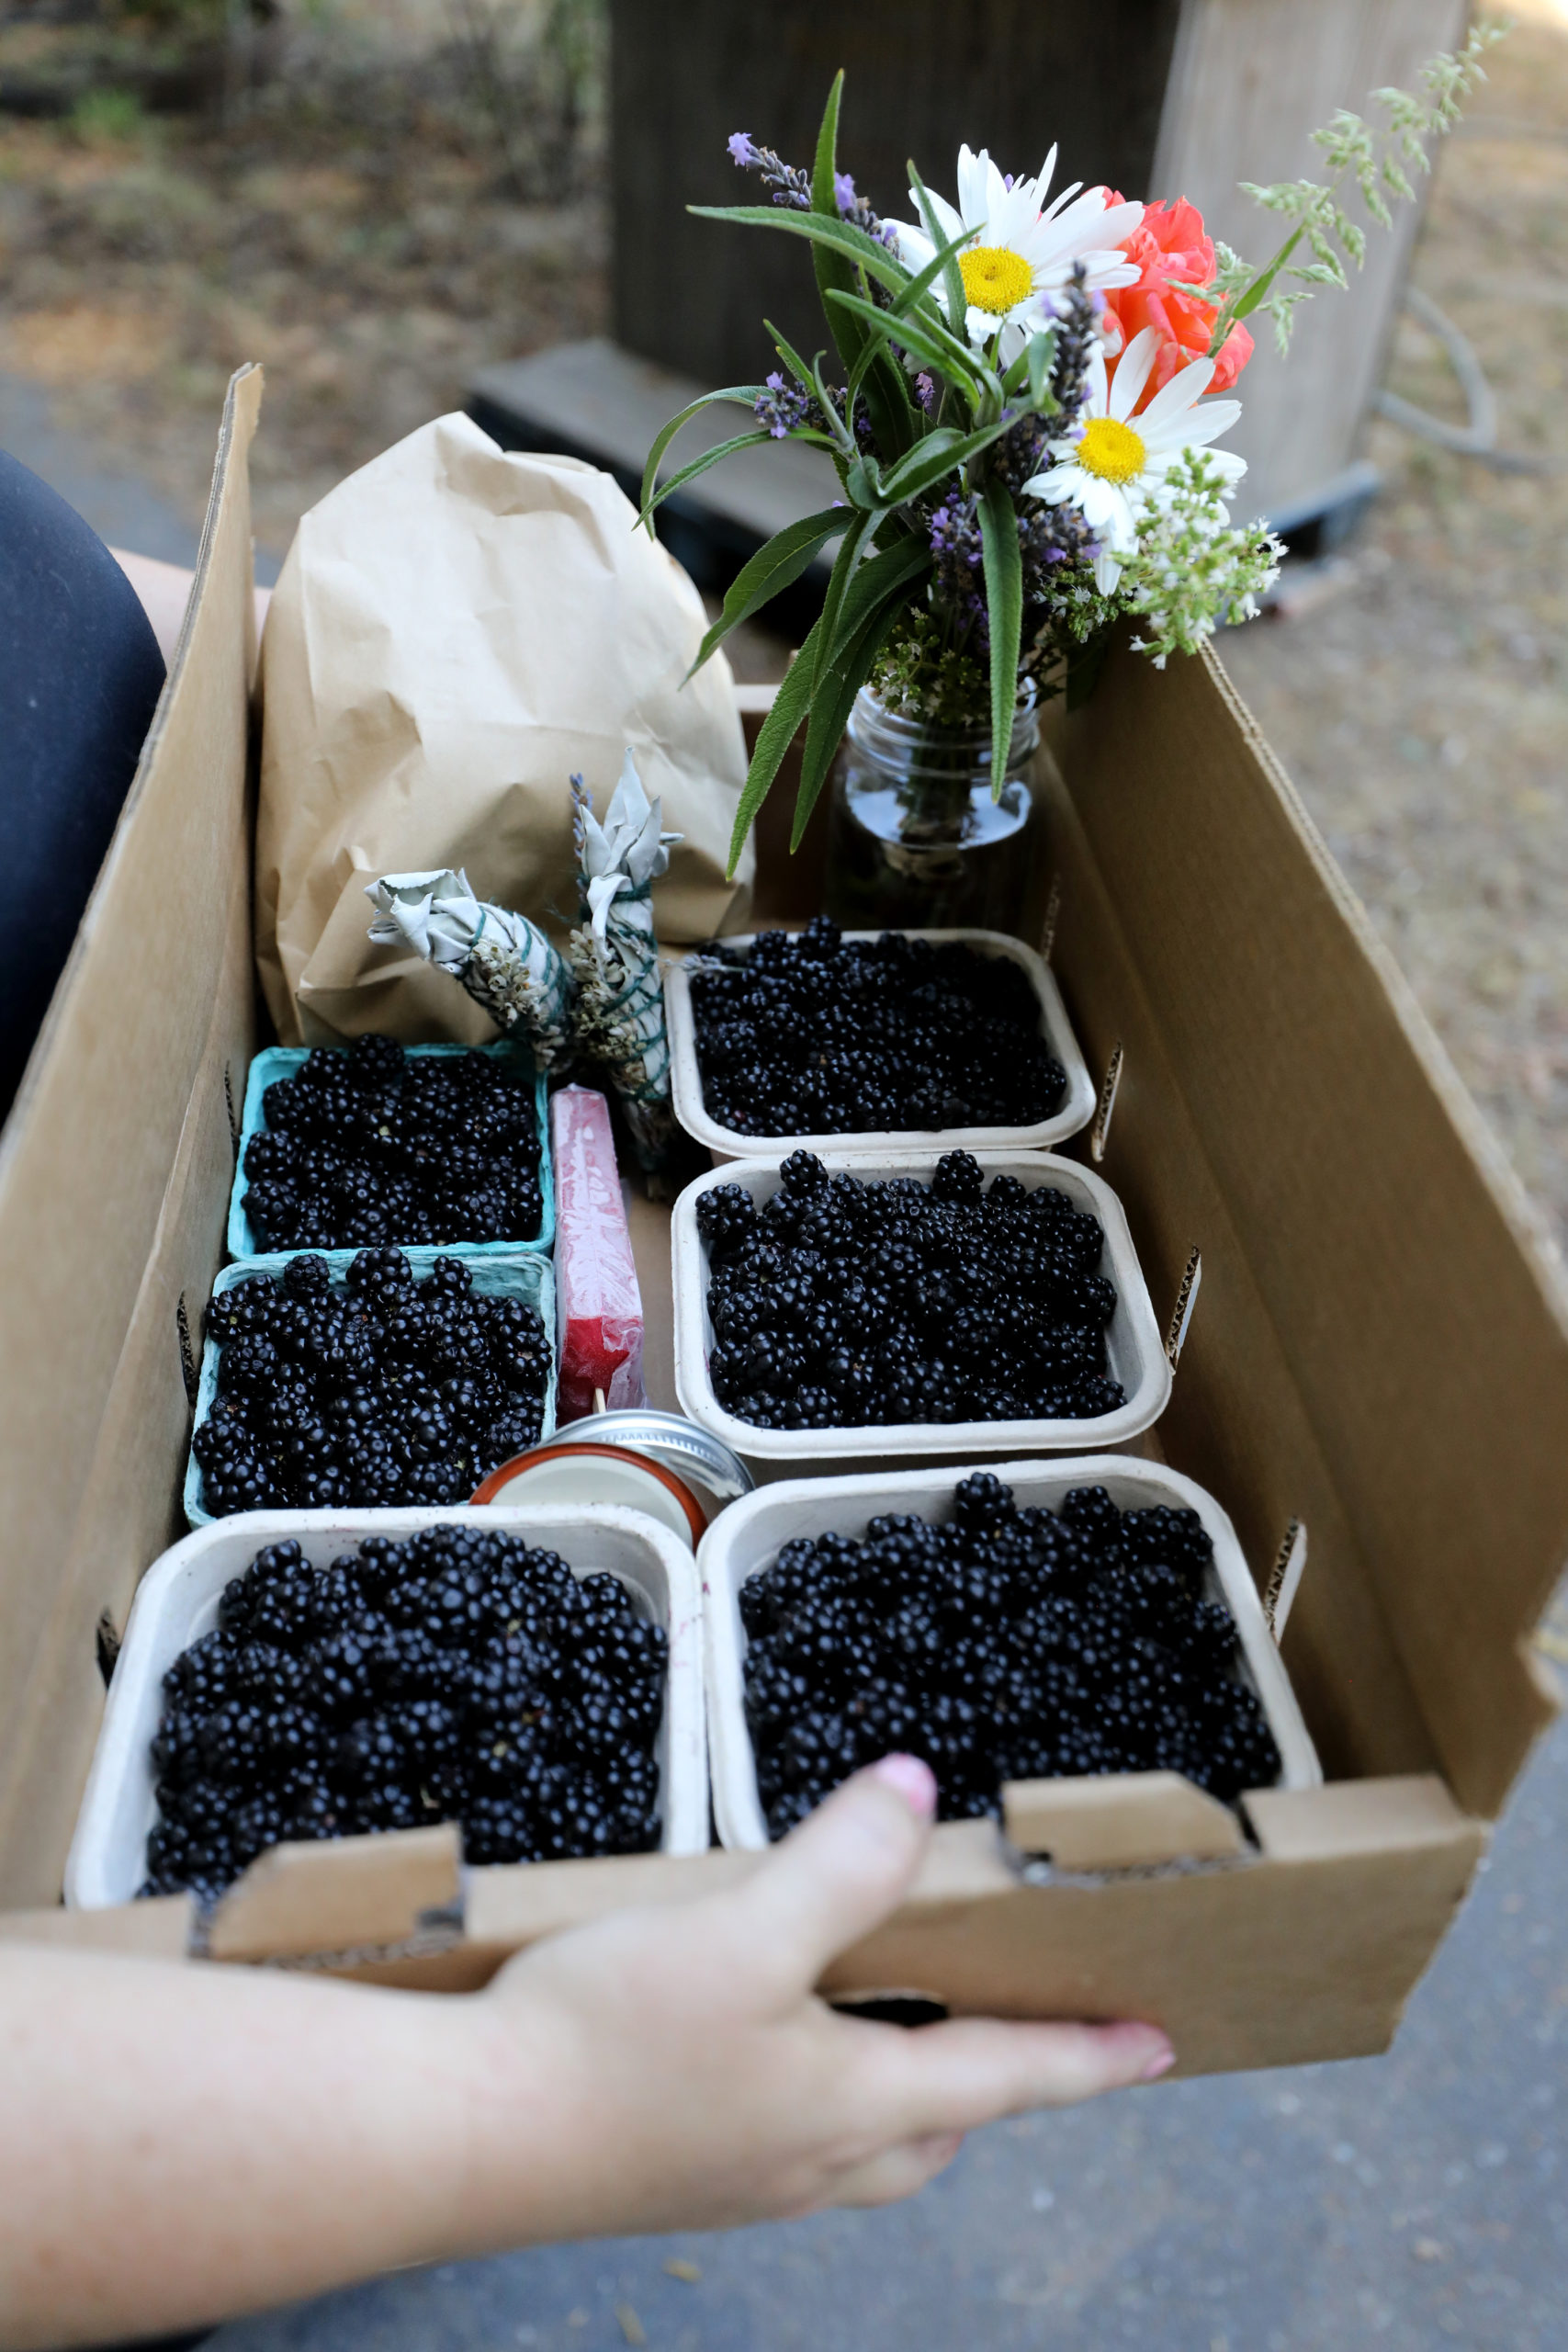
{"points": [[182, 2143], [675, 2069]]}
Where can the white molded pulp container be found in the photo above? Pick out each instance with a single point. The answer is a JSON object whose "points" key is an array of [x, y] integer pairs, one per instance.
{"points": [[749, 1536], [1134, 1350], [1077, 1103], [177, 1599]]}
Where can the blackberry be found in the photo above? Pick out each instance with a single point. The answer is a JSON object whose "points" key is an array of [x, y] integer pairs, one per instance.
{"points": [[842, 1304], [1001, 1644], [307, 1713], [380, 1391], [828, 1035], [367, 1145]]}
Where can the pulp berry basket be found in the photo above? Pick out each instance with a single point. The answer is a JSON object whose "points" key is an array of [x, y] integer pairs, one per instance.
{"points": [[748, 1538], [498, 1274], [283, 1061], [1133, 1346], [176, 1604], [1076, 1111]]}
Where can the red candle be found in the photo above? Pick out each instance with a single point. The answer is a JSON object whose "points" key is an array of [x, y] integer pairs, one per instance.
{"points": [[598, 1304]]}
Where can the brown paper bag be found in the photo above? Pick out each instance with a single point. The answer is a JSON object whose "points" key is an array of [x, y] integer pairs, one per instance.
{"points": [[457, 628]]}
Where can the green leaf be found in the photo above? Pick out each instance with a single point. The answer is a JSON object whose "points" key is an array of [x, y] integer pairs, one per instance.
{"points": [[785, 558], [700, 465], [748, 394], [860, 524], [932, 343], [892, 572], [896, 421], [776, 736], [1246, 303], [863, 484], [1004, 605], [803, 375], [1040, 353], [936, 267], [831, 709], [952, 277], [825, 164], [943, 451], [838, 236]]}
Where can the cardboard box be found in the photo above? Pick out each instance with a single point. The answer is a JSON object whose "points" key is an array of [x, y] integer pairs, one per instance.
{"points": [[1376, 1353]]}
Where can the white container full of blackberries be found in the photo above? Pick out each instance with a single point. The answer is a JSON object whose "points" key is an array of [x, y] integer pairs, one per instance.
{"points": [[1051, 1619], [858, 1304], [876, 1041], [534, 1676]]}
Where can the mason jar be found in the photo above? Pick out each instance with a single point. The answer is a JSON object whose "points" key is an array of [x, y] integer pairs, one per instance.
{"points": [[914, 840]]}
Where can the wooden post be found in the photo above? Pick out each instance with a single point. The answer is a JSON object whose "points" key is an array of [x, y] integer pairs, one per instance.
{"points": [[1251, 81]]}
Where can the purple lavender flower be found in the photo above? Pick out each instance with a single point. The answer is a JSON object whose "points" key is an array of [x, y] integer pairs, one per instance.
{"points": [[792, 187], [1077, 334], [925, 392], [782, 405]]}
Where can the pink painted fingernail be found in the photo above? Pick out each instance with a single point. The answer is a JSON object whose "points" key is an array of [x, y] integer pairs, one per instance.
{"points": [[915, 1782], [1160, 2063]]}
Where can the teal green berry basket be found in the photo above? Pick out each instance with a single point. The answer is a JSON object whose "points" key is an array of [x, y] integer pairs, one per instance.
{"points": [[497, 1272], [282, 1061]]}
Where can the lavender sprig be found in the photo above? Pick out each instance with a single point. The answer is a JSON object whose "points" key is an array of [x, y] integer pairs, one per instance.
{"points": [[792, 187], [1077, 331], [782, 405]]}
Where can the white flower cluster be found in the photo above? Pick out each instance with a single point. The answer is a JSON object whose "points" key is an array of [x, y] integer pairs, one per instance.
{"points": [[1191, 566]]}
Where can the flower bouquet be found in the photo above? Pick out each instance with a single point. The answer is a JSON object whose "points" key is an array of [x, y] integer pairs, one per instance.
{"points": [[1028, 450]]}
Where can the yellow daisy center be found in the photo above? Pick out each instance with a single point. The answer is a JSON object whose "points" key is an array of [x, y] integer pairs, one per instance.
{"points": [[994, 278], [1111, 450]]}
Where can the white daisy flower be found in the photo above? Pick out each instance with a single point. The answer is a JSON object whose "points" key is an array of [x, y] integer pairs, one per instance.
{"points": [[1029, 255], [1114, 464]]}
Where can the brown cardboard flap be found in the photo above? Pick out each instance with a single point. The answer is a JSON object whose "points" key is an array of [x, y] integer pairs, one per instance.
{"points": [[86, 1166], [1236, 1421], [339, 1894], [1120, 1822], [160, 1929], [1354, 1817], [1279, 1964], [1397, 1261]]}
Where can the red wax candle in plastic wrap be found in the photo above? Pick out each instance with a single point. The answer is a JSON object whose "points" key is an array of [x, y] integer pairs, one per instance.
{"points": [[598, 1304]]}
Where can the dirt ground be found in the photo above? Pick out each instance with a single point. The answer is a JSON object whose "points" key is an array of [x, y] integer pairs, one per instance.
{"points": [[370, 249]]}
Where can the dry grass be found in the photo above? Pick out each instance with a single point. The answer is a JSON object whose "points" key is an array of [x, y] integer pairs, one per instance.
{"points": [[365, 252]]}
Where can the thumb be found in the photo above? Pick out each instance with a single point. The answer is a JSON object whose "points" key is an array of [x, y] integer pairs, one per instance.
{"points": [[846, 1867]]}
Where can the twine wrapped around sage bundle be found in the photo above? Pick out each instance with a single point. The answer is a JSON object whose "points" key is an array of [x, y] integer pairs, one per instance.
{"points": [[504, 962], [618, 1017]]}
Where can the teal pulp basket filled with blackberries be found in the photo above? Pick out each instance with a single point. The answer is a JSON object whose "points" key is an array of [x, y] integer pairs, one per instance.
{"points": [[428, 1146], [399, 1379]]}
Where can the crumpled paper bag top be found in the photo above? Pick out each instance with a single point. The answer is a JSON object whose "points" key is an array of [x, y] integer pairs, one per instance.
{"points": [[457, 629]]}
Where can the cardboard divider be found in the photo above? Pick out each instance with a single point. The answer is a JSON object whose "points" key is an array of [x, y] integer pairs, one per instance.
{"points": [[336, 1895], [1121, 1822]]}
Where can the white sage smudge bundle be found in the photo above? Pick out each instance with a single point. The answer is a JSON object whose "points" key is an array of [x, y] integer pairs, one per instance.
{"points": [[505, 962], [618, 1020]]}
